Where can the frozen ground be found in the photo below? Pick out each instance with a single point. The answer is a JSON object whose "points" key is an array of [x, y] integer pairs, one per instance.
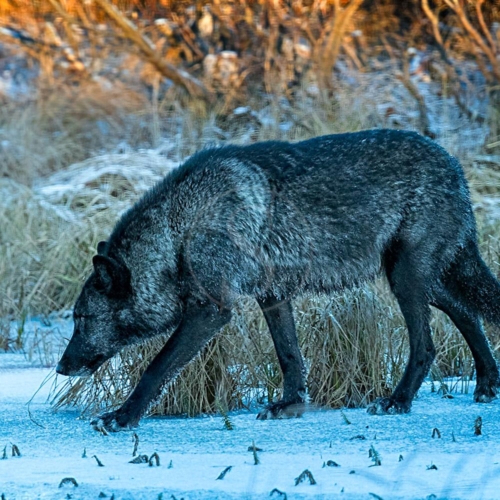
{"points": [[193, 452]]}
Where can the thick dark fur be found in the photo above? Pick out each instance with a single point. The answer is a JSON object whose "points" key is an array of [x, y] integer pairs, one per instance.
{"points": [[273, 220]]}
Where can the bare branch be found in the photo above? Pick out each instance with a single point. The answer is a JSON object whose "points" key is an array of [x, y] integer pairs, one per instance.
{"points": [[333, 42], [475, 35], [178, 76], [405, 79], [482, 23], [451, 74], [434, 19]]}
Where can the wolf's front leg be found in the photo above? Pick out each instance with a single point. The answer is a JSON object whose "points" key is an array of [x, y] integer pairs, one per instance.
{"points": [[279, 318], [199, 325]]}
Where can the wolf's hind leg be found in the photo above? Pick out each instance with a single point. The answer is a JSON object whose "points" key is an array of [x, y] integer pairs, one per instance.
{"points": [[407, 284], [469, 325], [279, 318], [469, 292]]}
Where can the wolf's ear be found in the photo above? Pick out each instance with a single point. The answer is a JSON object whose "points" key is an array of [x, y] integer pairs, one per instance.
{"points": [[100, 247], [111, 276]]}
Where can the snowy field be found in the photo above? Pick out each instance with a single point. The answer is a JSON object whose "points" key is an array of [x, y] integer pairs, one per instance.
{"points": [[193, 452]]}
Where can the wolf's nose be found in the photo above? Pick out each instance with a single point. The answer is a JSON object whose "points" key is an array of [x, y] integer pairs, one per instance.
{"points": [[60, 369]]}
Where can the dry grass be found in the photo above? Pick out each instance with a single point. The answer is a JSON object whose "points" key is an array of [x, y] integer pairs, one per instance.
{"points": [[60, 125], [50, 232], [344, 341], [354, 343], [355, 347]]}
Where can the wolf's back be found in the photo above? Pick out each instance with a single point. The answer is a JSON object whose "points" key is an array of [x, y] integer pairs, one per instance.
{"points": [[315, 215], [339, 201]]}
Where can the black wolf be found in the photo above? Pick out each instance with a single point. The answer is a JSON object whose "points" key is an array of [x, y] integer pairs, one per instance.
{"points": [[273, 220]]}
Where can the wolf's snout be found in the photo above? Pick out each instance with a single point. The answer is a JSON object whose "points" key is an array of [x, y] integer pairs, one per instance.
{"points": [[60, 369]]}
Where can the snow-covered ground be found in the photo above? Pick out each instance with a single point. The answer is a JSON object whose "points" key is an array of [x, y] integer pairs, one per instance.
{"points": [[193, 452]]}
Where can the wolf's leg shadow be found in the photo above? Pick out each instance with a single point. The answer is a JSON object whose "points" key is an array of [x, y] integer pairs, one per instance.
{"points": [[279, 318], [199, 324], [409, 286]]}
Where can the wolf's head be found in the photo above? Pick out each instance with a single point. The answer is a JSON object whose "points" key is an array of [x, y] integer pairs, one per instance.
{"points": [[107, 318]]}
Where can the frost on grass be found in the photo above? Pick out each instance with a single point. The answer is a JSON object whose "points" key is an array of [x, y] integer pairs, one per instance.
{"points": [[111, 180]]}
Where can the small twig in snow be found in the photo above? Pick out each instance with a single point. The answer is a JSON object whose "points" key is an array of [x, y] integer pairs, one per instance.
{"points": [[358, 436], [156, 458], [140, 459], [68, 480], [478, 426], [224, 472], [135, 437], [256, 460], [344, 416], [278, 492], [303, 475], [331, 463], [375, 456]]}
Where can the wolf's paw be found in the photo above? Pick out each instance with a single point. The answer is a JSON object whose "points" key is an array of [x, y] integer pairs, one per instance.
{"points": [[486, 391], [282, 409], [114, 421], [388, 406]]}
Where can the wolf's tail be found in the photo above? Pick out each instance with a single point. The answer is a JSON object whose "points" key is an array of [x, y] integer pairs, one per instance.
{"points": [[475, 283]]}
